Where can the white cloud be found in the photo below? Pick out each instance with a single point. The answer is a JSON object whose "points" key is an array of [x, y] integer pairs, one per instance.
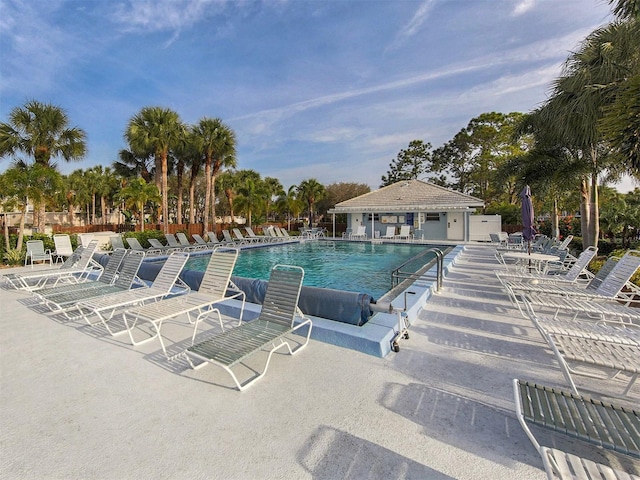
{"points": [[414, 25], [523, 7], [162, 15]]}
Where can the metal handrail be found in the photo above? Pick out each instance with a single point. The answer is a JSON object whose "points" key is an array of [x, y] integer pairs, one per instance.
{"points": [[397, 275]]}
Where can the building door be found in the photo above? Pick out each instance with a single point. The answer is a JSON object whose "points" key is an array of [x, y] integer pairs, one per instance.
{"points": [[455, 226]]}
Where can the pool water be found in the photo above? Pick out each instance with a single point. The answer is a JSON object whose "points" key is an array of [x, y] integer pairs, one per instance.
{"points": [[360, 267]]}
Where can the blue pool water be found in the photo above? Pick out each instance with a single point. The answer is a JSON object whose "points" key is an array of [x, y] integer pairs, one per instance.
{"points": [[360, 267]]}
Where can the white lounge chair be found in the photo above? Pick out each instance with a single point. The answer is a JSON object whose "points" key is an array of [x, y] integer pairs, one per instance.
{"points": [[405, 233], [201, 241], [75, 269], [586, 353], [606, 425], [186, 244], [64, 249], [277, 321], [163, 285], [86, 239], [65, 301], [571, 275], [106, 277], [242, 239], [116, 241], [173, 242], [37, 253], [601, 287], [213, 289], [158, 248], [258, 238], [360, 233], [390, 234]]}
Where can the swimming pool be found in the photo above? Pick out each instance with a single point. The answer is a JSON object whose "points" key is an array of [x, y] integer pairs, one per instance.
{"points": [[361, 267]]}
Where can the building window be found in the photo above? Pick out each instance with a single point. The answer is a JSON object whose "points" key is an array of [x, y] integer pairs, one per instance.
{"points": [[432, 217], [376, 217]]}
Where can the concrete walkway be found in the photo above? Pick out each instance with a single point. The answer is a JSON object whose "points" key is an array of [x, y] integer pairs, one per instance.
{"points": [[76, 403]]}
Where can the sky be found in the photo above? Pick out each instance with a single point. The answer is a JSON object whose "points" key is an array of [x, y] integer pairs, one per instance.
{"points": [[324, 89]]}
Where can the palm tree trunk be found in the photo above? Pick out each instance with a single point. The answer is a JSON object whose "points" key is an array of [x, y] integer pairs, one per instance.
{"points": [[179, 192], [594, 228], [41, 210], [207, 193], [584, 211], [23, 214], [5, 226], [165, 194], [555, 227], [192, 199], [213, 199]]}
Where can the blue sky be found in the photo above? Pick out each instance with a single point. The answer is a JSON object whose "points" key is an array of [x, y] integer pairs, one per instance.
{"points": [[331, 90]]}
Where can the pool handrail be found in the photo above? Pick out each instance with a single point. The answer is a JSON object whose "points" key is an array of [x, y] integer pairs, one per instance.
{"points": [[397, 274]]}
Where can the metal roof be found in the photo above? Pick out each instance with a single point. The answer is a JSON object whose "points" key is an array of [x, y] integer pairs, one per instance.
{"points": [[409, 196]]}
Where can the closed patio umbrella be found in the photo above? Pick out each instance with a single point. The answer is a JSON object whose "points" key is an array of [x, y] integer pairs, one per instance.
{"points": [[528, 230]]}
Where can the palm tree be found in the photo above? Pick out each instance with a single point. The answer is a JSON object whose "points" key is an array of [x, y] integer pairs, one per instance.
{"points": [[228, 182], [274, 189], [252, 193], [290, 204], [132, 165], [187, 155], [217, 144], [310, 191], [41, 131], [136, 194], [23, 183], [159, 130]]}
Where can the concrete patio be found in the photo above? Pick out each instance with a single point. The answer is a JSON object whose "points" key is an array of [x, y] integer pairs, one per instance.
{"points": [[76, 403]]}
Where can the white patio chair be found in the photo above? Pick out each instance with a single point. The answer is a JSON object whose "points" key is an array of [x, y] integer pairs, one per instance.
{"points": [[213, 289], [37, 253], [63, 249], [588, 420], [75, 269], [390, 233], [165, 283], [405, 233], [359, 234], [269, 331]]}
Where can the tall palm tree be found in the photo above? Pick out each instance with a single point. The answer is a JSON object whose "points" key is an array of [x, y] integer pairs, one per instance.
{"points": [[290, 204], [187, 156], [41, 131], [25, 182], [136, 194], [311, 191], [158, 129], [274, 189], [252, 193], [228, 182], [217, 144]]}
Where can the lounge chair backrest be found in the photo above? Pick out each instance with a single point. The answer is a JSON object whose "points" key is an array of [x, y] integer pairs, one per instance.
{"points": [[110, 272], [172, 241], [155, 243], [116, 241], [129, 269], [85, 238], [405, 230], [250, 232], [134, 244], [213, 237], [281, 297], [391, 231], [620, 274], [596, 281], [238, 234], [198, 239], [580, 264], [170, 271], [182, 238], [87, 255], [62, 241], [227, 236], [565, 243], [218, 273]]}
